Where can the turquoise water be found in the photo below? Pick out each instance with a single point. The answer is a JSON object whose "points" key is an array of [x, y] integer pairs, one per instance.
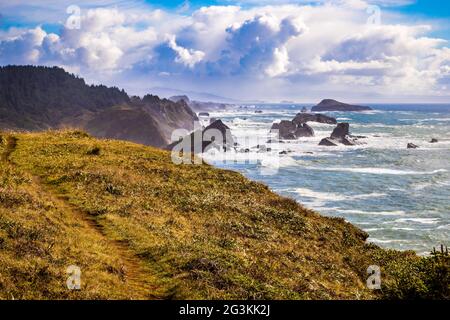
{"points": [[400, 197]]}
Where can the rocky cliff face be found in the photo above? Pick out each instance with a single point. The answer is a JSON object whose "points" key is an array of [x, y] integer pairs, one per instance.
{"points": [[125, 123], [168, 114], [36, 98], [200, 106]]}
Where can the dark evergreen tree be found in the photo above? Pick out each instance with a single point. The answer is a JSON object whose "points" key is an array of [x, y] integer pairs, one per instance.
{"points": [[34, 97]]}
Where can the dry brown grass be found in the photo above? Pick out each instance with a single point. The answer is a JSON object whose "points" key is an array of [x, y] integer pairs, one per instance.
{"points": [[200, 232]]}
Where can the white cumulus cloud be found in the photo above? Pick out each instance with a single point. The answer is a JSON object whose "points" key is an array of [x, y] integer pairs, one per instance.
{"points": [[273, 51]]}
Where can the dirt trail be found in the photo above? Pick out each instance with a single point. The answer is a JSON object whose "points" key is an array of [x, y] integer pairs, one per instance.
{"points": [[11, 143], [134, 270]]}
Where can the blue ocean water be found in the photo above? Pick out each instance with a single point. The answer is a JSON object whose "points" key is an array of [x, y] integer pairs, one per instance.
{"points": [[400, 196]]}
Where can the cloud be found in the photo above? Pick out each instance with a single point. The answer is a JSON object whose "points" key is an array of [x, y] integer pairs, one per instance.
{"points": [[394, 57], [55, 11], [24, 48], [279, 64], [268, 52], [188, 57], [258, 44]]}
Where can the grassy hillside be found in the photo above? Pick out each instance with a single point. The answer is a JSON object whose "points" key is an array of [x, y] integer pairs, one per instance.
{"points": [[142, 227], [40, 236]]}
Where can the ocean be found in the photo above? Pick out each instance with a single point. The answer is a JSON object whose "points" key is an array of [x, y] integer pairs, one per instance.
{"points": [[399, 196]]}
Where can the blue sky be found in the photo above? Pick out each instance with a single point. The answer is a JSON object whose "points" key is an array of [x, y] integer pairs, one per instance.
{"points": [[246, 50], [430, 8]]}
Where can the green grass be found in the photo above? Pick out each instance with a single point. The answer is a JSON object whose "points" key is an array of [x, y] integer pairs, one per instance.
{"points": [[198, 232]]}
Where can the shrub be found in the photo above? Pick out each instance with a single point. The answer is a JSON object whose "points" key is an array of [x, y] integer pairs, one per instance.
{"points": [[94, 151], [77, 134], [112, 189], [424, 278]]}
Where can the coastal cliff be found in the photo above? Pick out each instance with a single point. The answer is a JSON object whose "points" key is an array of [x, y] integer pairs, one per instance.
{"points": [[141, 227], [39, 98]]}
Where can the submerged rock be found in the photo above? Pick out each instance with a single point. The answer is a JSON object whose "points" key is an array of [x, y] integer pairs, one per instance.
{"points": [[349, 141], [328, 142], [274, 141], [412, 146]]}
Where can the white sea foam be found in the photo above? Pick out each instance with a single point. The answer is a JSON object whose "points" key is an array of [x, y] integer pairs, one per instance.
{"points": [[375, 240], [419, 220], [375, 213], [384, 142], [434, 119], [270, 160], [395, 189], [382, 171], [275, 161], [330, 196], [444, 183], [423, 185]]}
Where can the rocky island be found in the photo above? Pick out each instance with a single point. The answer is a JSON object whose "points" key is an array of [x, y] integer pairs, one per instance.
{"points": [[333, 105]]}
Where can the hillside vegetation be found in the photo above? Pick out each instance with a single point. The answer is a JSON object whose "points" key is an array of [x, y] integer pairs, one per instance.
{"points": [[141, 227], [35, 98]]}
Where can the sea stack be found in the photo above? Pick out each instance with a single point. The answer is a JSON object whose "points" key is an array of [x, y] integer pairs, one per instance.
{"points": [[341, 135], [208, 138], [298, 127]]}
